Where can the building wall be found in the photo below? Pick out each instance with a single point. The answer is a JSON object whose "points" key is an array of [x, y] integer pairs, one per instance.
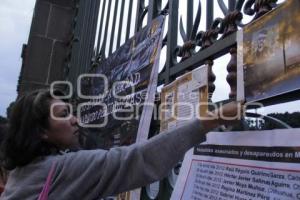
{"points": [[46, 54]]}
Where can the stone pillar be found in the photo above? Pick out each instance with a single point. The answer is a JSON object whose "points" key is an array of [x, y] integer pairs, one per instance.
{"points": [[45, 54]]}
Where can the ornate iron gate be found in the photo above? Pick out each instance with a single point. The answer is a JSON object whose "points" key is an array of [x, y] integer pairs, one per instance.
{"points": [[101, 26]]}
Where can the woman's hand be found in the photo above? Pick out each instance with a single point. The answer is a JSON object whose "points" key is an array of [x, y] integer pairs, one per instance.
{"points": [[227, 114]]}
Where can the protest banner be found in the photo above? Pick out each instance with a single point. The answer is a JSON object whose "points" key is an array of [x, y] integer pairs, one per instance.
{"points": [[242, 165], [117, 90]]}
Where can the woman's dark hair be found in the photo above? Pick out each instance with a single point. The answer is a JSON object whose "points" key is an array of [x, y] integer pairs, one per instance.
{"points": [[28, 121], [3, 172]]}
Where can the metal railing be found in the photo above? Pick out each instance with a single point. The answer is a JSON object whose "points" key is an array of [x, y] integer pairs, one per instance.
{"points": [[101, 26]]}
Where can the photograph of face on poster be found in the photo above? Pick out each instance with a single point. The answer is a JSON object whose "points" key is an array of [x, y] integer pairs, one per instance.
{"points": [[263, 43], [271, 53]]}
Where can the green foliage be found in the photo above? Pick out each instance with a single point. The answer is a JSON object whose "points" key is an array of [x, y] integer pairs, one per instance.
{"points": [[292, 119]]}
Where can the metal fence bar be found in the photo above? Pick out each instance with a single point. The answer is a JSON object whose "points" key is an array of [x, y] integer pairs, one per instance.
{"points": [[231, 5], [82, 39], [120, 24], [153, 9], [139, 12], [100, 27], [76, 46], [172, 38], [85, 59], [209, 13], [87, 38], [106, 28], [77, 54], [129, 19], [93, 28], [189, 19], [112, 38]]}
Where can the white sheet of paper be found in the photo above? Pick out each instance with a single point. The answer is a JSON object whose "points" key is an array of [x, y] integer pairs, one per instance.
{"points": [[266, 167]]}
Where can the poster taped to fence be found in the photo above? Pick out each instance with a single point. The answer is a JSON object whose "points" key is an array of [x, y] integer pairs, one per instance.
{"points": [[269, 54], [184, 99], [242, 165]]}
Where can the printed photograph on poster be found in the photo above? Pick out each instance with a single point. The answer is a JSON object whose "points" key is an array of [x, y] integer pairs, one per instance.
{"points": [[242, 165], [182, 99], [271, 53]]}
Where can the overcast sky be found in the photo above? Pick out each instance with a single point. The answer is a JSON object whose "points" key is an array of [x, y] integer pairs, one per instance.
{"points": [[15, 21]]}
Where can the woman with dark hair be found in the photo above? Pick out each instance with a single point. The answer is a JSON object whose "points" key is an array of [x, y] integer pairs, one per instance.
{"points": [[36, 138], [28, 124]]}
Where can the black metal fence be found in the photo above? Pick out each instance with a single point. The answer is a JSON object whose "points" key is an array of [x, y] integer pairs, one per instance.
{"points": [[101, 26], [197, 32]]}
